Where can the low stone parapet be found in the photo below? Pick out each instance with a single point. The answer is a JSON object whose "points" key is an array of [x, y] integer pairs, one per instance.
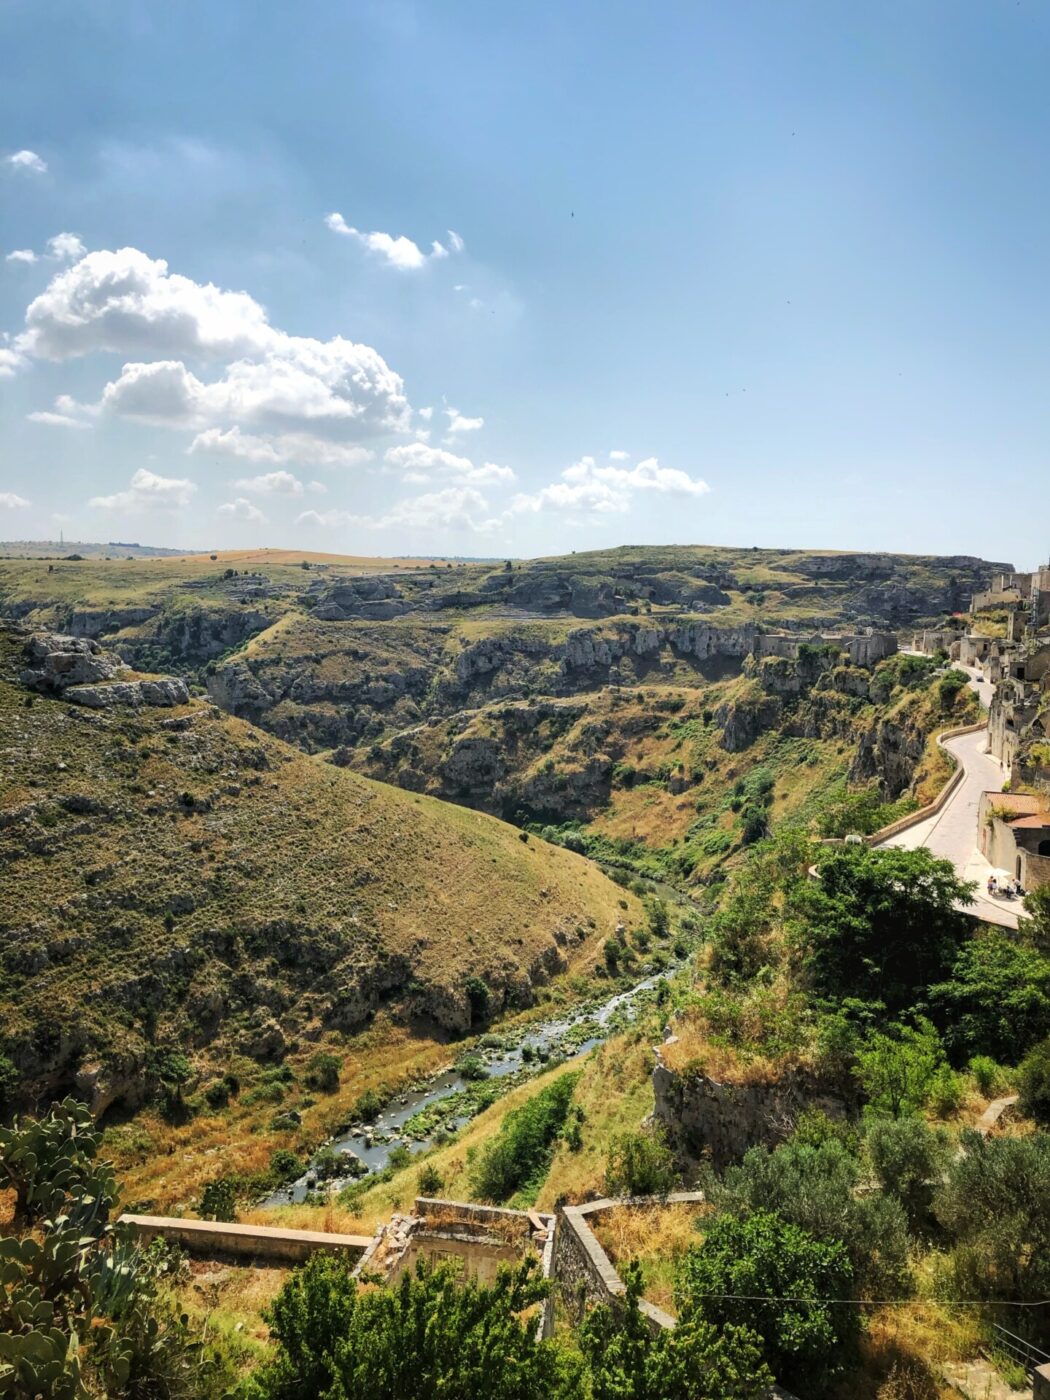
{"points": [[217, 1237]]}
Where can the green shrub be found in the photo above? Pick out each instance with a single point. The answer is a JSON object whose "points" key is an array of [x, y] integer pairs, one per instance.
{"points": [[816, 1188], [1034, 1084], [640, 1164], [432, 1334], [471, 1067], [693, 1361], [989, 1076], [946, 1092], [285, 1165], [217, 1094], [908, 1158], [518, 1157], [82, 1311], [322, 1072], [897, 1072], [430, 1181], [218, 1200], [370, 1104], [993, 1206]]}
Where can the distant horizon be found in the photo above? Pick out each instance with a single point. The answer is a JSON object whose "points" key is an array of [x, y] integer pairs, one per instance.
{"points": [[170, 551]]}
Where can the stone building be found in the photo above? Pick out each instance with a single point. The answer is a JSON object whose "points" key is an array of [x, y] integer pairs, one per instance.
{"points": [[1023, 593], [862, 648], [1014, 835]]}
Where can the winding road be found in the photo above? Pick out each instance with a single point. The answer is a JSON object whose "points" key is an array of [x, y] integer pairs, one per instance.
{"points": [[953, 832]]}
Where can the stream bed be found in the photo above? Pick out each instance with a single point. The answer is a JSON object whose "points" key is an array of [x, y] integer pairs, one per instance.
{"points": [[566, 1036]]}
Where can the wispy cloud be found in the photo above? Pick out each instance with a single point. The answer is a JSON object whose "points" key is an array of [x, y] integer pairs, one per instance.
{"points": [[27, 160], [397, 251]]}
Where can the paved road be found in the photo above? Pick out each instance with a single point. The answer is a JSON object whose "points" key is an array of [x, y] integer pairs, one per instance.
{"points": [[953, 832]]}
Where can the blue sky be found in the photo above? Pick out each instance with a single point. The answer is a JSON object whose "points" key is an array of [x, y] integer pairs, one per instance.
{"points": [[757, 272]]}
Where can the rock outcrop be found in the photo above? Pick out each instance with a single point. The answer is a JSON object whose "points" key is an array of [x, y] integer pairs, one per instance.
{"points": [[81, 672]]}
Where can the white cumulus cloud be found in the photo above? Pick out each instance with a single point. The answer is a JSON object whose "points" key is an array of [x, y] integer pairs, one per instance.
{"points": [[66, 247], [27, 160], [10, 361], [284, 447], [399, 251], [57, 420], [419, 462], [146, 492], [129, 303], [325, 520], [242, 509], [271, 484], [9, 501], [21, 255], [458, 423], [454, 508], [590, 489]]}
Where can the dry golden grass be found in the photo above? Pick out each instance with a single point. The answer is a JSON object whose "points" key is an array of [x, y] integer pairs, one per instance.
{"points": [[656, 1236], [694, 1050], [166, 1166], [901, 1349], [615, 1093]]}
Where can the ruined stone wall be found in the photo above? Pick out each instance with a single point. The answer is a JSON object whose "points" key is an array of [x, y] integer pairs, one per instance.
{"points": [[480, 1257], [719, 1121]]}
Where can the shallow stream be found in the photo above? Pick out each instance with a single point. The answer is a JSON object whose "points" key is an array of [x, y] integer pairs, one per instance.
{"points": [[546, 1039]]}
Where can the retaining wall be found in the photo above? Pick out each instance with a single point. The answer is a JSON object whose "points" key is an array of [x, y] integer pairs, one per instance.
{"points": [[932, 808], [216, 1237], [583, 1273]]}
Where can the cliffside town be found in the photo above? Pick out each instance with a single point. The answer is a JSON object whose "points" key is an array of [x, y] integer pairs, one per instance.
{"points": [[1008, 643]]}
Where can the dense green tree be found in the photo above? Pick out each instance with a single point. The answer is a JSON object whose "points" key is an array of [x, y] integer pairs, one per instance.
{"points": [[880, 925], [1034, 927], [814, 1186], [996, 1001], [769, 1275], [995, 1204], [693, 1361], [640, 1163], [897, 1071], [431, 1334]]}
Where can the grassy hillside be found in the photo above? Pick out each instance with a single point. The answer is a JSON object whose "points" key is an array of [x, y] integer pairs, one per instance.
{"points": [[173, 876]]}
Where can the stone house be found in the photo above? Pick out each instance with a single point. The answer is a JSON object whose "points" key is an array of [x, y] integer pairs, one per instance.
{"points": [[1014, 835]]}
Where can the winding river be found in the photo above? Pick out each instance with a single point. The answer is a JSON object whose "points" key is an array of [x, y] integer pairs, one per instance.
{"points": [[373, 1144]]}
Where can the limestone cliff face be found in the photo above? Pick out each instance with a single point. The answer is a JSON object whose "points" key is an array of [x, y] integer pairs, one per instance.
{"points": [[890, 751], [706, 1119]]}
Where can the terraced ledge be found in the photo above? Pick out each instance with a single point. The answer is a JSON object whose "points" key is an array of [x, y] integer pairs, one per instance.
{"points": [[212, 1237]]}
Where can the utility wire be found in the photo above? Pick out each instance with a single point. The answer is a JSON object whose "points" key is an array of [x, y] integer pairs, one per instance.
{"points": [[883, 1302]]}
